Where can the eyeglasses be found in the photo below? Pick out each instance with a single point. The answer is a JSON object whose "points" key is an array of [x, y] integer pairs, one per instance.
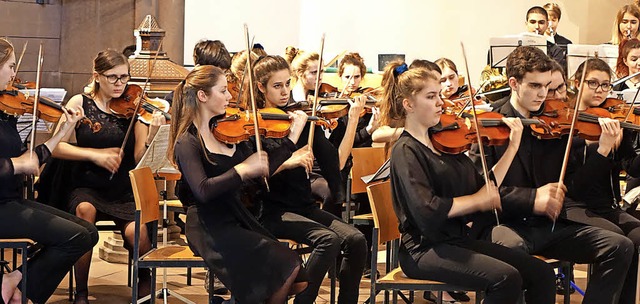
{"points": [[112, 79], [560, 89], [594, 85]]}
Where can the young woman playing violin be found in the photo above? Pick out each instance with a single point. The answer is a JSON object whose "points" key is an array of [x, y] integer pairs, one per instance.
{"points": [[451, 90], [214, 175], [291, 212], [625, 26], [101, 188], [305, 71], [435, 196], [628, 63], [594, 176], [64, 236]]}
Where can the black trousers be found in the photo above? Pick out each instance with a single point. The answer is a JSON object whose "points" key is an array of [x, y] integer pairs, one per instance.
{"points": [[328, 235], [609, 252], [65, 239], [502, 272], [621, 222]]}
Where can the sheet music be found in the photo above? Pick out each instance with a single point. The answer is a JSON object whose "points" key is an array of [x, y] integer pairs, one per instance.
{"points": [[156, 155], [577, 54], [55, 94], [383, 173], [501, 47]]}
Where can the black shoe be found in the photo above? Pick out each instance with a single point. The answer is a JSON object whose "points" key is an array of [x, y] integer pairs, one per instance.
{"points": [[367, 274], [560, 286], [432, 298], [460, 296]]}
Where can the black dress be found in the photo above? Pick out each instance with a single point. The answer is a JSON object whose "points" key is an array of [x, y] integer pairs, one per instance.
{"points": [[112, 197], [242, 254]]}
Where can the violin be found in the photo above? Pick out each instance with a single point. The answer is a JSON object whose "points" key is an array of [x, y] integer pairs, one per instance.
{"points": [[125, 105], [16, 103], [237, 125], [618, 109], [558, 116], [455, 135]]}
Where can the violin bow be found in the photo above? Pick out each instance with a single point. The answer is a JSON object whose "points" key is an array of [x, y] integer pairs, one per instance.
{"points": [[567, 150], [144, 91], [350, 80], [254, 108], [34, 119], [312, 128], [24, 48], [633, 102], [485, 168], [244, 73]]}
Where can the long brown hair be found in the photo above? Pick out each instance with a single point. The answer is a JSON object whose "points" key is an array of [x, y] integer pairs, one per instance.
{"points": [[185, 101], [353, 59], [104, 61], [401, 83], [262, 71], [622, 70], [616, 36]]}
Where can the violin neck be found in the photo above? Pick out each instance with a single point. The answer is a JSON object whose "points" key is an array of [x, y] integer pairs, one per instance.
{"points": [[594, 119], [338, 101], [277, 116], [49, 102], [496, 122]]}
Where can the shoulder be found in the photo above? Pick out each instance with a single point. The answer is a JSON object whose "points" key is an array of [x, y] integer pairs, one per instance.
{"points": [[76, 100]]}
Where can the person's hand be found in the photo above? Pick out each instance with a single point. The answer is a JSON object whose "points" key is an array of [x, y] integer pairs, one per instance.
{"points": [[298, 121], [515, 125], [549, 200], [157, 120], [303, 157], [610, 136], [356, 106], [374, 122], [488, 198], [27, 163], [73, 115], [108, 158], [254, 166]]}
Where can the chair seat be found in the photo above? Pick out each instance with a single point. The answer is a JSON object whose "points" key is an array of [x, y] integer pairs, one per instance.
{"points": [[171, 253], [396, 276], [17, 241], [363, 219]]}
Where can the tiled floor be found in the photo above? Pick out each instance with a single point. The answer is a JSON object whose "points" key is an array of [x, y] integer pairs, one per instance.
{"points": [[108, 285]]}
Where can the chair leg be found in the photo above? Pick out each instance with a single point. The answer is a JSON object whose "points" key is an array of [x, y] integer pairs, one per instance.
{"points": [[153, 285], [189, 276], [134, 285], [333, 275], [129, 267], [71, 284], [24, 271]]}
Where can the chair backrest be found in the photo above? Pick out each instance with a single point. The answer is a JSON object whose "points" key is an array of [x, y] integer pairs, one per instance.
{"points": [[145, 194], [384, 217], [365, 161]]}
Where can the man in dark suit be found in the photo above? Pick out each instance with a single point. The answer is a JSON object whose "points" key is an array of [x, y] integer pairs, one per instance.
{"points": [[532, 198]]}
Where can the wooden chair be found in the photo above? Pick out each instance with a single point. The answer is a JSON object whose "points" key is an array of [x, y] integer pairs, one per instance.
{"points": [[386, 231], [22, 245], [365, 161], [148, 211]]}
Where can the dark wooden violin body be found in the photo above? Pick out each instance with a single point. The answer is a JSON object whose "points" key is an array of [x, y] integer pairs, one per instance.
{"points": [[125, 105]]}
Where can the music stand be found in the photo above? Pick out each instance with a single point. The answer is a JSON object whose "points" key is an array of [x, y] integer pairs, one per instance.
{"points": [[577, 54], [156, 158], [501, 47]]}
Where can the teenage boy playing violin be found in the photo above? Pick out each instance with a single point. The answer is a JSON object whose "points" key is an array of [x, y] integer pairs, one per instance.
{"points": [[594, 183], [532, 198]]}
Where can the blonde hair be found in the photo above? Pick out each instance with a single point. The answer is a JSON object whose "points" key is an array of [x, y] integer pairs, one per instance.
{"points": [[104, 61], [185, 101], [301, 62], [616, 36], [6, 49]]}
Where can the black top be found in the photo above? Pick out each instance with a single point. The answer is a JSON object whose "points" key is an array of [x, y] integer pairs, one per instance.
{"points": [[423, 187], [11, 146], [291, 189], [594, 179], [210, 182], [362, 138], [621, 86], [561, 41]]}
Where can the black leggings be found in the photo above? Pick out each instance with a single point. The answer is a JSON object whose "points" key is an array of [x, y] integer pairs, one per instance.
{"points": [[65, 239], [499, 271]]}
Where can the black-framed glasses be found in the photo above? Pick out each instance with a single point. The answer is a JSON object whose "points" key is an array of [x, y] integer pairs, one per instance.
{"points": [[594, 85], [560, 89], [112, 79]]}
